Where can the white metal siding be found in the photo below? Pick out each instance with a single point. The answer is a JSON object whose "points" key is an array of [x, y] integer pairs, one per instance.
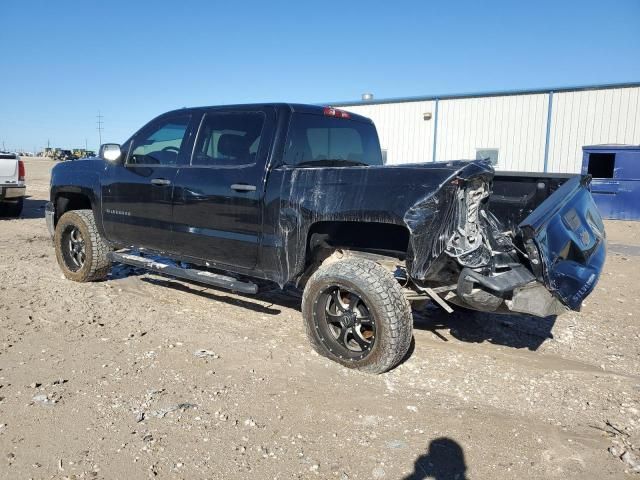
{"points": [[591, 117], [514, 124], [404, 133]]}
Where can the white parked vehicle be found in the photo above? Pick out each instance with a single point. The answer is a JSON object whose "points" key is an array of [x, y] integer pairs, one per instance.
{"points": [[12, 184]]}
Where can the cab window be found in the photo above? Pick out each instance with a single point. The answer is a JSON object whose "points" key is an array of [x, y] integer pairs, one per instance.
{"points": [[160, 143], [228, 139]]}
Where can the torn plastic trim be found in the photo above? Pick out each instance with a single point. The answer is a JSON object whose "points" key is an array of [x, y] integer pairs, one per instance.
{"points": [[501, 283], [535, 299], [515, 290], [488, 292]]}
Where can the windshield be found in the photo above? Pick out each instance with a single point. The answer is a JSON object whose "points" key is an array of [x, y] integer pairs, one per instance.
{"points": [[318, 140]]}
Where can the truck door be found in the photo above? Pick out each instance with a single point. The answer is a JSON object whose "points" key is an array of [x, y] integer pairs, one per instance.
{"points": [[218, 196], [137, 194]]}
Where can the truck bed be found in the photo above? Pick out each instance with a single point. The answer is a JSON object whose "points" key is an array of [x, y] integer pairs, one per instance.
{"points": [[517, 194]]}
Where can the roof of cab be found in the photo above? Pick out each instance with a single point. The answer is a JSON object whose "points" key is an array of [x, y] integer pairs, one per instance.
{"points": [[292, 107]]}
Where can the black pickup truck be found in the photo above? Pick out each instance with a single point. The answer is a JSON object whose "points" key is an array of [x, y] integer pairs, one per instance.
{"points": [[298, 195]]}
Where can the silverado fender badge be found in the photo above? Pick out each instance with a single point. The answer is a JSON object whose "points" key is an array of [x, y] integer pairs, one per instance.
{"points": [[111, 211]]}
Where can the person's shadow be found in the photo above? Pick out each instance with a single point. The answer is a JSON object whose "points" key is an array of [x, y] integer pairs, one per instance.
{"points": [[443, 461]]}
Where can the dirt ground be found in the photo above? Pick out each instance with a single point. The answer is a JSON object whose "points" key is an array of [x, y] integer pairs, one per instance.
{"points": [[101, 381]]}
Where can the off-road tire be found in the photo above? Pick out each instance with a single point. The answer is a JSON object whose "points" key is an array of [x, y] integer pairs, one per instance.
{"points": [[97, 264], [383, 296]]}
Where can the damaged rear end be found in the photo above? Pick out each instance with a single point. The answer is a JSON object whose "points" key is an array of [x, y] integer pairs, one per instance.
{"points": [[545, 265]]}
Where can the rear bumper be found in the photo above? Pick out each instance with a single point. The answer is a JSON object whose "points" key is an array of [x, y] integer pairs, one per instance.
{"points": [[12, 193], [49, 215]]}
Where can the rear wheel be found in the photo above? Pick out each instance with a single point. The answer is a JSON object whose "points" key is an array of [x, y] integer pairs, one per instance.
{"points": [[356, 314], [80, 251]]}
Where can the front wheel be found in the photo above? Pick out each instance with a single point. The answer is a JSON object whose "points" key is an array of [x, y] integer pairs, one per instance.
{"points": [[80, 250], [356, 314]]}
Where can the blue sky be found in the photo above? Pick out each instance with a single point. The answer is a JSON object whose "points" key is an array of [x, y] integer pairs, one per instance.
{"points": [[63, 61]]}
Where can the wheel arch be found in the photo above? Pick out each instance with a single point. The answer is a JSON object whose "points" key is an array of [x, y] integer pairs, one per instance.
{"points": [[66, 199], [381, 242]]}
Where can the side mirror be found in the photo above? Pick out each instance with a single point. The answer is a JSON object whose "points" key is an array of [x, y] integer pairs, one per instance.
{"points": [[110, 152]]}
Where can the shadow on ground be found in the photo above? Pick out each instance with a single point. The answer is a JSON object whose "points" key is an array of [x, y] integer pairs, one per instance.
{"points": [[272, 298], [444, 460], [31, 209], [516, 331]]}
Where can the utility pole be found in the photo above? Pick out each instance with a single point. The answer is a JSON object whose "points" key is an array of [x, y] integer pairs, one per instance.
{"points": [[100, 126]]}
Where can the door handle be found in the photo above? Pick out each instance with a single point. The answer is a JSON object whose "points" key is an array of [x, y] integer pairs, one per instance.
{"points": [[160, 181], [243, 187]]}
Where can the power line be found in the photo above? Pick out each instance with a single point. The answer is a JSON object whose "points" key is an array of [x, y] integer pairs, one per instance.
{"points": [[100, 126]]}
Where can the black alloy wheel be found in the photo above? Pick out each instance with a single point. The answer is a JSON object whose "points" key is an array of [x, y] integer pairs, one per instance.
{"points": [[75, 252], [344, 323]]}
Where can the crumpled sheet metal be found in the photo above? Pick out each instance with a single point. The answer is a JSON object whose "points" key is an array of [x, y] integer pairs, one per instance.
{"points": [[420, 197], [433, 220]]}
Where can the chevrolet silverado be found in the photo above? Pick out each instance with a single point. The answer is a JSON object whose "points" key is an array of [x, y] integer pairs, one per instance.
{"points": [[298, 195]]}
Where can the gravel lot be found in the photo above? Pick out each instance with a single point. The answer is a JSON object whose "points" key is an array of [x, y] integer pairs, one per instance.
{"points": [[101, 381]]}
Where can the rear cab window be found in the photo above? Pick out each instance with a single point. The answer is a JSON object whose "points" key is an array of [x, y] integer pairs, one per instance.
{"points": [[319, 140]]}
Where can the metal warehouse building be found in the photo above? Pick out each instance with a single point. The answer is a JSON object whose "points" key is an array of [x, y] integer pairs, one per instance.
{"points": [[530, 130]]}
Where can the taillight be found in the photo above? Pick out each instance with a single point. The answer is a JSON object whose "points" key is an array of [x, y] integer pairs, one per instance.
{"points": [[21, 172], [334, 112]]}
